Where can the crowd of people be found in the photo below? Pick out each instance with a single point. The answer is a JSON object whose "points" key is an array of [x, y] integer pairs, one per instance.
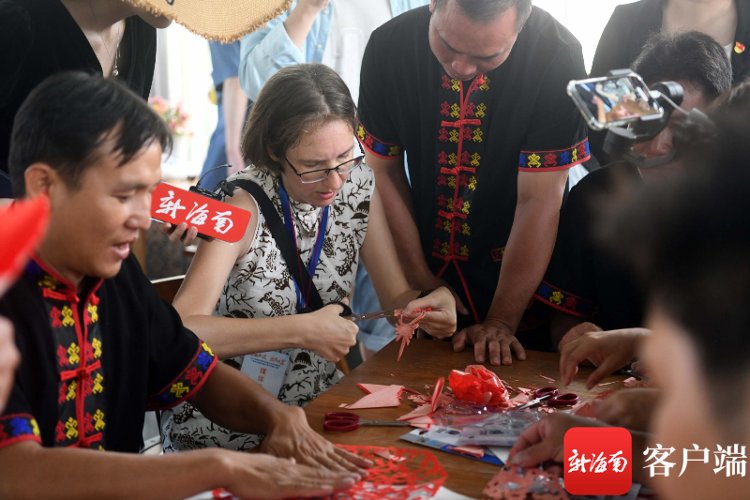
{"points": [[431, 141]]}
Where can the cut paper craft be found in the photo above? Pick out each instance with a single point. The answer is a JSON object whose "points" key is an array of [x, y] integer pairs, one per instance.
{"points": [[519, 484], [405, 330], [23, 225], [386, 396], [477, 384], [417, 475]]}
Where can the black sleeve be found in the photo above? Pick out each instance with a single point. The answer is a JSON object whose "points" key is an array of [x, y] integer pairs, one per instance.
{"points": [[557, 138], [611, 51], [377, 129], [178, 361], [569, 282]]}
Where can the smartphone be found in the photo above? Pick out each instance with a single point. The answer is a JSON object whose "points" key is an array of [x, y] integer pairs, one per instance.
{"points": [[614, 101]]}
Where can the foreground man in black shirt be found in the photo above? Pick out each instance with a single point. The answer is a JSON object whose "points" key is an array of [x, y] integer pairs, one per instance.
{"points": [[99, 347]]}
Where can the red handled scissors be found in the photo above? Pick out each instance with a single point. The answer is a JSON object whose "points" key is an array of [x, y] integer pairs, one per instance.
{"points": [[550, 396], [342, 421]]}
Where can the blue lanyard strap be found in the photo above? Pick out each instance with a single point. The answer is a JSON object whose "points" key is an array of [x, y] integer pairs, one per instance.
{"points": [[317, 248]]}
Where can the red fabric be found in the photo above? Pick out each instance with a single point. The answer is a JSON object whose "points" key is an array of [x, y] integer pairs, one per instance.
{"points": [[24, 223]]}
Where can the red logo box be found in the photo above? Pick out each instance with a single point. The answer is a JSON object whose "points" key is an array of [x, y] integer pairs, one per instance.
{"points": [[598, 461]]}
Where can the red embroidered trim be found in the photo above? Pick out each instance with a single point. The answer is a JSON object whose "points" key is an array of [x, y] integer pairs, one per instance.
{"points": [[560, 159], [380, 148], [188, 382], [564, 301]]}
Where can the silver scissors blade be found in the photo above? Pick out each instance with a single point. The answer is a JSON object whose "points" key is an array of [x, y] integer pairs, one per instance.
{"points": [[532, 402], [372, 315]]}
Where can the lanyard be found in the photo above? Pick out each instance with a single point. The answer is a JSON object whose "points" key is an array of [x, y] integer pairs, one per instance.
{"points": [[315, 257]]}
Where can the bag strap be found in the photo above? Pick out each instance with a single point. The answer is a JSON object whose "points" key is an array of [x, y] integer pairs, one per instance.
{"points": [[293, 261]]}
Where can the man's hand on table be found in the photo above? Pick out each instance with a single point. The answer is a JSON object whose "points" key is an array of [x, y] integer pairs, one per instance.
{"points": [[543, 441], [256, 475], [290, 436], [490, 337], [607, 350]]}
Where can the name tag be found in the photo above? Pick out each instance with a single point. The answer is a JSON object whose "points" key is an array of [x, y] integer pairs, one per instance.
{"points": [[266, 368]]}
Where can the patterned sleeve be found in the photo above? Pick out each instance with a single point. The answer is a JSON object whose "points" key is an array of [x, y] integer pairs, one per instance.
{"points": [[17, 424], [568, 284], [557, 139], [376, 131], [179, 362]]}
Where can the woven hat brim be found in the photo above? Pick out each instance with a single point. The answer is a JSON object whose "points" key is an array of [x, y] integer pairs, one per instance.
{"points": [[219, 20]]}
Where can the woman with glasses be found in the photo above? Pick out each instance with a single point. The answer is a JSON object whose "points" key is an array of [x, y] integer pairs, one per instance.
{"points": [[242, 298]]}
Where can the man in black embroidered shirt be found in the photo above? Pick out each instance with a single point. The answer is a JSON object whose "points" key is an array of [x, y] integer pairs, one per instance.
{"points": [[97, 344], [473, 92]]}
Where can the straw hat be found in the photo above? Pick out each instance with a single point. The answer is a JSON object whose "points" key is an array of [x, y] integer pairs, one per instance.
{"points": [[220, 20]]}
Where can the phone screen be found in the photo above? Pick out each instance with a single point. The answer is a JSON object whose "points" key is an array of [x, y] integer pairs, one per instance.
{"points": [[614, 101]]}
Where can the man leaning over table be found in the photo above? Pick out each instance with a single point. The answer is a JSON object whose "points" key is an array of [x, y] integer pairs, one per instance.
{"points": [[474, 94], [97, 344]]}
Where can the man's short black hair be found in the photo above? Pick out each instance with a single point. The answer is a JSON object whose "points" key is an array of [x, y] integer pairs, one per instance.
{"points": [[689, 242], [487, 10], [690, 57], [66, 119]]}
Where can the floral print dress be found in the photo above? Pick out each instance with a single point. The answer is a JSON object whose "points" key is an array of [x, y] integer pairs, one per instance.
{"points": [[260, 286]]}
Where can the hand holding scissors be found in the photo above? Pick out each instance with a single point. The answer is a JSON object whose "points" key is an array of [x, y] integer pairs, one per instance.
{"points": [[342, 421], [550, 396], [349, 314]]}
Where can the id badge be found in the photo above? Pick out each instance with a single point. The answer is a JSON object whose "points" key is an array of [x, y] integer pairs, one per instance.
{"points": [[266, 368]]}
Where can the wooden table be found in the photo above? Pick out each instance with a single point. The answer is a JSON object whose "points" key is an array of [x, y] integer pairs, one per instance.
{"points": [[422, 363]]}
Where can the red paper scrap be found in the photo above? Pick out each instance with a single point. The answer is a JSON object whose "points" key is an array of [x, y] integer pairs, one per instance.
{"points": [[548, 379], [477, 384], [519, 484], [387, 397], [632, 383], [24, 224], [424, 410], [474, 451], [436, 394]]}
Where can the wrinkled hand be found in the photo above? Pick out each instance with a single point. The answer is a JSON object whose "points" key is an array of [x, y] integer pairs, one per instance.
{"points": [[258, 475], [607, 350], [290, 436], [9, 359], [629, 408], [180, 232], [543, 440], [440, 321], [492, 337], [331, 336]]}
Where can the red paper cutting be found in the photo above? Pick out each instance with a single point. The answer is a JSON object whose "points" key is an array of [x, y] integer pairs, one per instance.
{"points": [[405, 330], [477, 384], [520, 484], [415, 474]]}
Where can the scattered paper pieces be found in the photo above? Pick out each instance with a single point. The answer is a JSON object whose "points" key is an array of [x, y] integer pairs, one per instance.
{"points": [[383, 397], [517, 483], [548, 379], [632, 383]]}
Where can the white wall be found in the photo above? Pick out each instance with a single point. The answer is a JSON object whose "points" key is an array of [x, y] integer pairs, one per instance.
{"points": [[183, 71]]}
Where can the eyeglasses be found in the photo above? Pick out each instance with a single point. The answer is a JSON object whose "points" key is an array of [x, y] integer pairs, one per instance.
{"points": [[320, 175]]}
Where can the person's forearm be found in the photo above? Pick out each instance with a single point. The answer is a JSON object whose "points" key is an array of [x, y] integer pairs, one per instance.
{"points": [[525, 260], [234, 105], [232, 400], [395, 194], [229, 337], [299, 22], [31, 471]]}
